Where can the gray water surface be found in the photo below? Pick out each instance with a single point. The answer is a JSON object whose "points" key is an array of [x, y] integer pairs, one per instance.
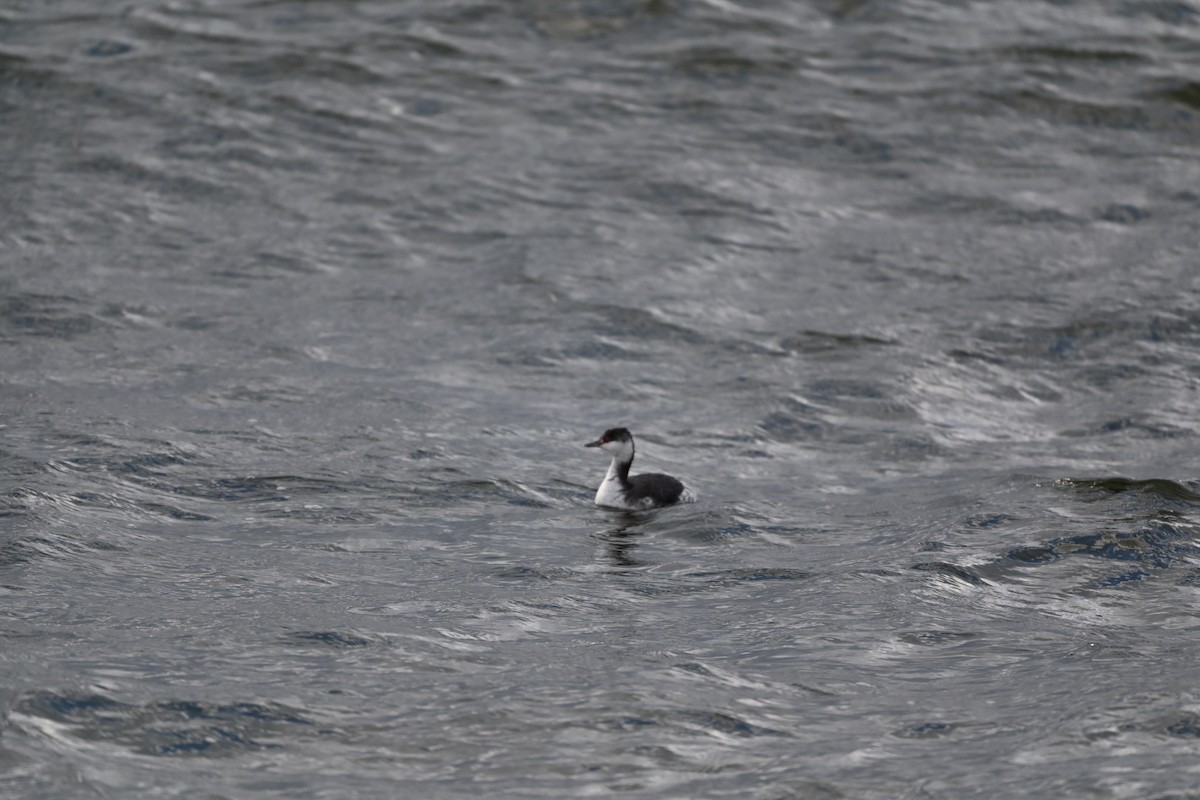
{"points": [[306, 309]]}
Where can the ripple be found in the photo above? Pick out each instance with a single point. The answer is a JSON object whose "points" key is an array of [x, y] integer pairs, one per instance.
{"points": [[834, 344], [1081, 113], [175, 728], [1152, 489], [750, 575], [583, 20], [333, 639], [51, 316], [303, 299], [953, 571], [32, 548], [1155, 546], [454, 493], [935, 638], [926, 730], [689, 721], [135, 172], [529, 574]]}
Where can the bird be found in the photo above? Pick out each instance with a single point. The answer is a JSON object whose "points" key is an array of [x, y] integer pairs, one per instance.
{"points": [[652, 490]]}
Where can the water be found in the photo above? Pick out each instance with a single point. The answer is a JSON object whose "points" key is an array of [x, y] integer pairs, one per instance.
{"points": [[306, 309]]}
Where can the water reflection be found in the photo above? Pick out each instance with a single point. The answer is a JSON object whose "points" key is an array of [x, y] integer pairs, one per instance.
{"points": [[622, 540]]}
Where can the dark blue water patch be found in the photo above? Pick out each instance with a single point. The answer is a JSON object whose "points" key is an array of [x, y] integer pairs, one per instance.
{"points": [[932, 546], [523, 573], [169, 727], [780, 426], [290, 66], [321, 513], [715, 721], [51, 316], [926, 730], [625, 723], [1006, 345], [16, 552], [145, 470], [333, 639], [1067, 341], [531, 360], [107, 48], [694, 668], [864, 148], [208, 742], [750, 575], [968, 355], [715, 63], [1122, 214], [1032, 554], [1179, 724], [18, 502], [103, 500], [1121, 578], [837, 344], [1191, 577], [567, 492], [1125, 426], [66, 707], [1102, 345], [175, 513], [690, 522], [991, 520], [794, 420], [1179, 326], [594, 19], [914, 448], [1060, 110], [155, 463], [623, 323], [722, 723], [1155, 547], [732, 529], [954, 571], [1111, 375], [426, 107], [29, 548], [1184, 726], [1159, 491], [935, 638], [621, 546], [1085, 54], [942, 205], [877, 572], [1171, 12]]}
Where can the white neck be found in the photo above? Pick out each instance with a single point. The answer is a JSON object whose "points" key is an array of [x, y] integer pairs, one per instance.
{"points": [[611, 475]]}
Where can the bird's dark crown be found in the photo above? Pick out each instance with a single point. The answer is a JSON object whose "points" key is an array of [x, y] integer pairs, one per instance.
{"points": [[616, 435]]}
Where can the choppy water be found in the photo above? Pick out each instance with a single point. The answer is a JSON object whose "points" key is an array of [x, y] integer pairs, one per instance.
{"points": [[307, 307]]}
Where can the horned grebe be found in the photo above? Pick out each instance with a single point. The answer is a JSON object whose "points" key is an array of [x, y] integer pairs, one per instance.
{"points": [[641, 491]]}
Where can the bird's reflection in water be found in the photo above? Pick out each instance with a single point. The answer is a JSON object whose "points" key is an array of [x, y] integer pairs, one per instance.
{"points": [[621, 541]]}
